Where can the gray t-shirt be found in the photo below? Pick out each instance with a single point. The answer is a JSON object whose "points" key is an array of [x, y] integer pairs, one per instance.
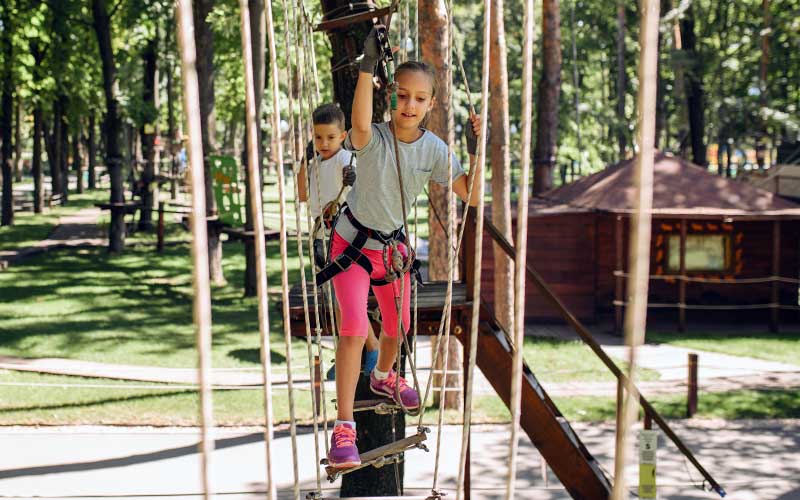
{"points": [[375, 198]]}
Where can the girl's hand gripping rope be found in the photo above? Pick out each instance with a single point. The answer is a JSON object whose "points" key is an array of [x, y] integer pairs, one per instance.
{"points": [[373, 51], [473, 131]]}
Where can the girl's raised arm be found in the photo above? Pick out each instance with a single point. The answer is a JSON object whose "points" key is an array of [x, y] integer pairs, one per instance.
{"points": [[361, 116]]}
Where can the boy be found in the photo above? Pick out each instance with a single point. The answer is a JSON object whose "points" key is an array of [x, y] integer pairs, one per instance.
{"points": [[336, 175]]}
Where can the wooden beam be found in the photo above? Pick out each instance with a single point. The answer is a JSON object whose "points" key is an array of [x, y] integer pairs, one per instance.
{"points": [[682, 280], [776, 269], [619, 278]]}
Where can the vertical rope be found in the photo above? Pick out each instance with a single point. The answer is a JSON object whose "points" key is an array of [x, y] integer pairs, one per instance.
{"points": [[518, 321], [450, 227], [200, 278], [298, 225], [276, 120], [639, 260], [258, 234], [476, 290]]}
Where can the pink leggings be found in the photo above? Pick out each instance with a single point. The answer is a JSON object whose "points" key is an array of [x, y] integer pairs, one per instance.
{"points": [[352, 289]]}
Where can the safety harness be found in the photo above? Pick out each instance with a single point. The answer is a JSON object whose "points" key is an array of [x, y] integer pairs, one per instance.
{"points": [[396, 264]]}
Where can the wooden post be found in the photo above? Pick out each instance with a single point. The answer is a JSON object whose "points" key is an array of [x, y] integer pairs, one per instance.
{"points": [[776, 269], [682, 281], [620, 398], [619, 279], [691, 400], [317, 385], [160, 244], [465, 364], [648, 421]]}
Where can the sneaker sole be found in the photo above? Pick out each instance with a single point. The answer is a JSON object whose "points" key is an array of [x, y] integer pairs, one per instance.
{"points": [[391, 396], [343, 465]]}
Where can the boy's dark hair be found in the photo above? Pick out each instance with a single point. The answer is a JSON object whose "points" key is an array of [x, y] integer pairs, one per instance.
{"points": [[328, 114]]}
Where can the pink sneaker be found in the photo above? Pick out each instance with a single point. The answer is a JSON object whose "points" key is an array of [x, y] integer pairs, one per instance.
{"points": [[387, 386], [344, 453]]}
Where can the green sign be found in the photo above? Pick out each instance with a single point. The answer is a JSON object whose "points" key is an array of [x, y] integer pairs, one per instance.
{"points": [[225, 172]]}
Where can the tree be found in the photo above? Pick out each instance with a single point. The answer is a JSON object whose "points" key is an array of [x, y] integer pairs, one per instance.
{"points": [[204, 40], [622, 80], [544, 154], [7, 111], [149, 128], [113, 124], [500, 162], [695, 96]]}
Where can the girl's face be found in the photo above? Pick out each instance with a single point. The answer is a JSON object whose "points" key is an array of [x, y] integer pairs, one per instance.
{"points": [[414, 99]]}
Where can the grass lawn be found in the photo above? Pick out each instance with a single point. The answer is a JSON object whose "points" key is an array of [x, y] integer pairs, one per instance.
{"points": [[554, 360], [30, 228], [783, 347]]}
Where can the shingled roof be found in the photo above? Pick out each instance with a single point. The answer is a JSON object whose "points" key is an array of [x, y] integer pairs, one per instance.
{"points": [[679, 188]]}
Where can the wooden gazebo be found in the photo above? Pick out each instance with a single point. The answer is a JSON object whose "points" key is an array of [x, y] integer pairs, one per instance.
{"points": [[721, 249]]}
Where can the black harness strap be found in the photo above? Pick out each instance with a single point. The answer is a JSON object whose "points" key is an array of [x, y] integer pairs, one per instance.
{"points": [[352, 254]]}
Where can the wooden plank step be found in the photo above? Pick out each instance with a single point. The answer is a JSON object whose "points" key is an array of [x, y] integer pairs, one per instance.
{"points": [[382, 455]]}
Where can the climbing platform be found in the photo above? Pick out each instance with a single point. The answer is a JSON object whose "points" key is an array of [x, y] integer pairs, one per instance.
{"points": [[383, 455]]}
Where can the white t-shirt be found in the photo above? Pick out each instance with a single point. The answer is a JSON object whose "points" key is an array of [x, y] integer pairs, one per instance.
{"points": [[330, 181], [375, 199]]}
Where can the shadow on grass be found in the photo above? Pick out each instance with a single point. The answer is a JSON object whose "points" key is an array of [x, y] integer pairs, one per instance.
{"points": [[87, 404], [254, 356]]}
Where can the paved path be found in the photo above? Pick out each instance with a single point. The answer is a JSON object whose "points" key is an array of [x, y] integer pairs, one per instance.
{"points": [[79, 229], [752, 460]]}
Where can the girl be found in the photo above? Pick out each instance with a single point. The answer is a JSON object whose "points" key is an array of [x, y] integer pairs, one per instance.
{"points": [[374, 209]]}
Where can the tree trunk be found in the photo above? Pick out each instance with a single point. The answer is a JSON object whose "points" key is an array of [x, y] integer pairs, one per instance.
{"points": [[7, 110], [77, 161], [762, 133], [544, 154], [622, 82], [91, 153], [434, 44], [149, 131], [63, 157], [36, 161], [18, 140], [204, 39], [372, 430], [116, 235], [259, 43], [695, 97], [500, 162], [678, 67]]}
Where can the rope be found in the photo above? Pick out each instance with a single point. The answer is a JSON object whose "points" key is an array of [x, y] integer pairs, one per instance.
{"points": [[299, 239], [200, 276], [276, 120], [449, 233], [518, 321], [476, 290], [639, 260], [722, 281], [287, 334]]}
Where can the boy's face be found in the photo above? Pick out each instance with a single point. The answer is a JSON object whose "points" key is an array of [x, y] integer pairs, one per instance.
{"points": [[328, 138]]}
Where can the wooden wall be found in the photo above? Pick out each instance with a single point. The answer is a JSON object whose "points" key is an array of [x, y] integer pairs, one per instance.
{"points": [[576, 255]]}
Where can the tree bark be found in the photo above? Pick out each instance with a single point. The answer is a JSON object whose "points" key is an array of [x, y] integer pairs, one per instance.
{"points": [[695, 98], [7, 110], [259, 43], [91, 152], [544, 154], [500, 162], [204, 40], [36, 161], [113, 124], [77, 161], [18, 139], [372, 430], [434, 42], [622, 82], [680, 89], [149, 131], [63, 157], [762, 84]]}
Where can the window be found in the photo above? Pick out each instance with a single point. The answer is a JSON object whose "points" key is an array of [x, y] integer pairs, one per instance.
{"points": [[704, 252]]}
